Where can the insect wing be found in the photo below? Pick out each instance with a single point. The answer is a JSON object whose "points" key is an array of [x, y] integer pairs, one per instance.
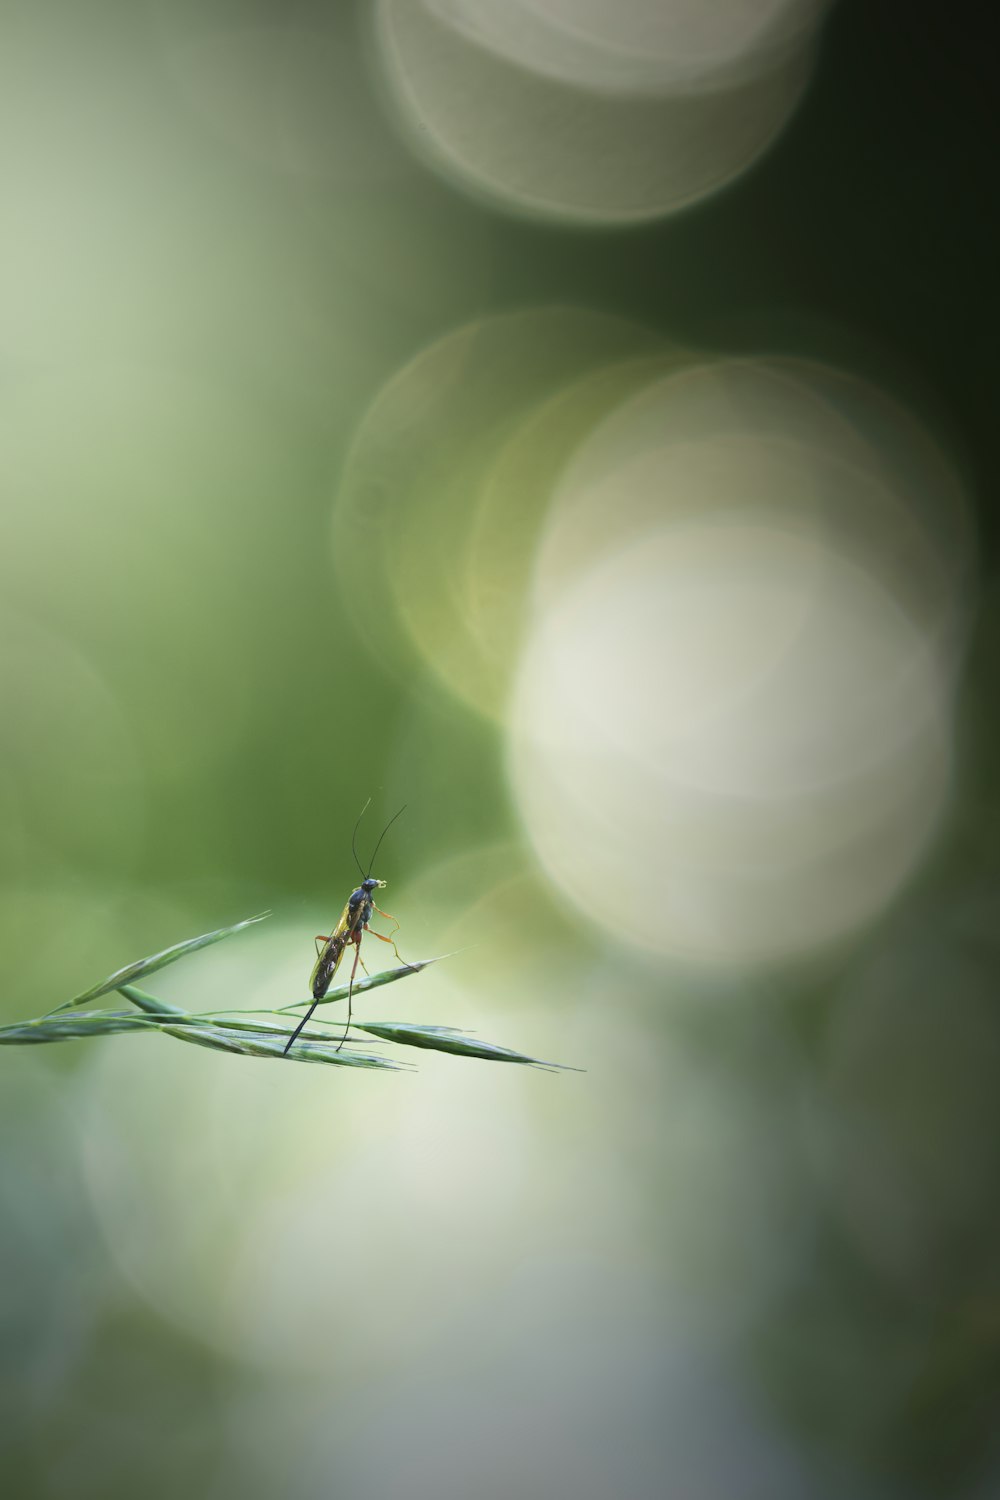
{"points": [[326, 966], [332, 951]]}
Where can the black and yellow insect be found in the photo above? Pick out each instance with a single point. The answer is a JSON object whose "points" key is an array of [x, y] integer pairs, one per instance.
{"points": [[353, 924]]}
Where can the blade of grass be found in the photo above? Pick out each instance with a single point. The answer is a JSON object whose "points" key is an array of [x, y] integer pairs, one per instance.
{"points": [[249, 1039], [236, 1021], [266, 1040], [65, 1028], [267, 1033], [370, 982], [155, 1006], [259, 1044], [150, 1003], [156, 961], [447, 1039]]}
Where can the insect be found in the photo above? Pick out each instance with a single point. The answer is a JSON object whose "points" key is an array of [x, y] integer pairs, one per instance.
{"points": [[353, 923]]}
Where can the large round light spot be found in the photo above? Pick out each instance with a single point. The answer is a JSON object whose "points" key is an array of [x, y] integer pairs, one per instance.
{"points": [[407, 506], [788, 443], [728, 743], [596, 115]]}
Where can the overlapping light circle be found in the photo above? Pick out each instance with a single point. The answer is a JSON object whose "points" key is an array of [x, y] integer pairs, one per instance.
{"points": [[789, 442], [730, 736], [591, 110], [728, 744], [418, 473], [716, 605]]}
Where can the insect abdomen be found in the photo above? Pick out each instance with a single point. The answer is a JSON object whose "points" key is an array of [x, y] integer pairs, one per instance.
{"points": [[324, 969]]}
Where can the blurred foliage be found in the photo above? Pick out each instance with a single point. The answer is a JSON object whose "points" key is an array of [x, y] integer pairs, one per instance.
{"points": [[753, 1250]]}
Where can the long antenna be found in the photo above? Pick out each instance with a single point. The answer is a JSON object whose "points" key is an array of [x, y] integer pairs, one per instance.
{"points": [[354, 835], [382, 835]]}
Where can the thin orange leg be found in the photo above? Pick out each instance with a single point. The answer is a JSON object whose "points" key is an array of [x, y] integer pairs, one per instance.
{"points": [[391, 939], [388, 916], [383, 939]]}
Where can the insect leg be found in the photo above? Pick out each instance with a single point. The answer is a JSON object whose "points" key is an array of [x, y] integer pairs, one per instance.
{"points": [[388, 916], [392, 943], [350, 990]]}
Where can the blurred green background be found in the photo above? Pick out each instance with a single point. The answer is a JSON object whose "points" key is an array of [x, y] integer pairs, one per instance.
{"points": [[576, 422]]}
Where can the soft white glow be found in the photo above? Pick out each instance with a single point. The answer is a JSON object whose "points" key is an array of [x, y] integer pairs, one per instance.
{"points": [[795, 445], [634, 43], [562, 122], [260, 1230], [727, 744], [730, 733]]}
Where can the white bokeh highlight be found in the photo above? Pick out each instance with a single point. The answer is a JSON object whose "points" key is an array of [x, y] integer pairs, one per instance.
{"points": [[595, 112], [730, 735]]}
